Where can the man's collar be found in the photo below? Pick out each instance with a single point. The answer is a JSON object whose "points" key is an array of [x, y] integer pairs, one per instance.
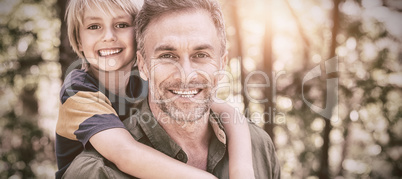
{"points": [[217, 127], [142, 121]]}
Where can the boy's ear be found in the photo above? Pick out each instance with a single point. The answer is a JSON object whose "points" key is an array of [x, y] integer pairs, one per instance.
{"points": [[142, 67], [79, 47]]}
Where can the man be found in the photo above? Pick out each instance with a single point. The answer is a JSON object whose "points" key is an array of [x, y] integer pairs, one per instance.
{"points": [[181, 49]]}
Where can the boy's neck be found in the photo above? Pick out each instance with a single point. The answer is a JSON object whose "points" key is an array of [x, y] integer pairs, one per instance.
{"points": [[114, 81]]}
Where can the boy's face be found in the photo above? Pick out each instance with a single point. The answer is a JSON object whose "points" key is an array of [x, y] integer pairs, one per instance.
{"points": [[107, 41]]}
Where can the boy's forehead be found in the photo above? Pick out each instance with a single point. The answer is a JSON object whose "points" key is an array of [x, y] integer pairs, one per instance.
{"points": [[113, 10]]}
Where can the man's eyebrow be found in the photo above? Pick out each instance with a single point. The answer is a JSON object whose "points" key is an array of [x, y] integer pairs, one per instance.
{"points": [[203, 47], [165, 48]]}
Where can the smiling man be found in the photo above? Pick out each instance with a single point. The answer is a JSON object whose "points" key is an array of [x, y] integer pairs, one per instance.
{"points": [[181, 50]]}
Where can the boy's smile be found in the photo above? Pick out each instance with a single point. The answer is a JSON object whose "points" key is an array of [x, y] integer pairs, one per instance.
{"points": [[108, 52], [107, 39]]}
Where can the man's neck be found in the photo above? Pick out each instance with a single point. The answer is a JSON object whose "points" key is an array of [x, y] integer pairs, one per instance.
{"points": [[193, 137]]}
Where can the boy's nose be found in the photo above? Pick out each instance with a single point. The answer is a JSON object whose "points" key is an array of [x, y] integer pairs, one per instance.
{"points": [[109, 35]]}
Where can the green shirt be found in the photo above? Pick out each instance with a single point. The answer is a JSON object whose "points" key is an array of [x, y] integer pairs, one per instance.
{"points": [[144, 128]]}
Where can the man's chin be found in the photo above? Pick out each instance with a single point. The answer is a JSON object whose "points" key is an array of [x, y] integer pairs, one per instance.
{"points": [[185, 113]]}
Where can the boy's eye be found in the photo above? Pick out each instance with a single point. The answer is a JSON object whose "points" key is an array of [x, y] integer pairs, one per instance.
{"points": [[122, 25], [93, 27]]}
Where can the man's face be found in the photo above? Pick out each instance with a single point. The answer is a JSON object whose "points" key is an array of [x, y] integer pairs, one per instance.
{"points": [[183, 56]]}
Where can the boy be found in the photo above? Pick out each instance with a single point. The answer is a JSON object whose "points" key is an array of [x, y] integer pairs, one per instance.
{"points": [[93, 99]]}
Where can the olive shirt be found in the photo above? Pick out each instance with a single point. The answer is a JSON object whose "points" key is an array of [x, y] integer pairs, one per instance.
{"points": [[145, 129]]}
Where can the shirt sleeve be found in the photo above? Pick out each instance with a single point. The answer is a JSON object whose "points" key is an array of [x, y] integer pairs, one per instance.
{"points": [[84, 110], [264, 155], [90, 164]]}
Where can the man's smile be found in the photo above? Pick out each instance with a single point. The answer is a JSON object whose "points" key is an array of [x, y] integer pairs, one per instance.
{"points": [[186, 93]]}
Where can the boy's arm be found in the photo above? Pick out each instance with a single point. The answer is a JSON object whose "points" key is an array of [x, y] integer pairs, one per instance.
{"points": [[239, 141], [83, 104], [139, 160]]}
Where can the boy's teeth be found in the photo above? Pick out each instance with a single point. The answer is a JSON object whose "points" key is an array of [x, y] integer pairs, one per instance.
{"points": [[109, 52]]}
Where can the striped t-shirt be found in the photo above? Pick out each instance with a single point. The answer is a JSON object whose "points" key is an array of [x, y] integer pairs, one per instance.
{"points": [[87, 108]]}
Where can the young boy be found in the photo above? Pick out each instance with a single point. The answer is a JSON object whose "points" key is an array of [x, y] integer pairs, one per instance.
{"points": [[93, 98]]}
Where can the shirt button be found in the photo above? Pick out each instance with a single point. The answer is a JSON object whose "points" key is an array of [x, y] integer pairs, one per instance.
{"points": [[180, 156]]}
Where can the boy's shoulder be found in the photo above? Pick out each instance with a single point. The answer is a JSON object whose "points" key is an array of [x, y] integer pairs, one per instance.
{"points": [[78, 80]]}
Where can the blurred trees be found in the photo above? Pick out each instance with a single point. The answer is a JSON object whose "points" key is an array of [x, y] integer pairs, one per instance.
{"points": [[28, 71], [362, 137]]}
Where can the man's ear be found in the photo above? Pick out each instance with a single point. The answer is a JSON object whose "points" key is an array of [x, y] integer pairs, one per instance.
{"points": [[224, 61], [142, 67]]}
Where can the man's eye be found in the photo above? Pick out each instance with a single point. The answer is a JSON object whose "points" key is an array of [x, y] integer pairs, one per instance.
{"points": [[122, 25], [201, 55], [93, 27], [167, 56]]}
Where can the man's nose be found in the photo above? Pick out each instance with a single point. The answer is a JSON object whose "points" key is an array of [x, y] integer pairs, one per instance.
{"points": [[189, 69], [109, 35]]}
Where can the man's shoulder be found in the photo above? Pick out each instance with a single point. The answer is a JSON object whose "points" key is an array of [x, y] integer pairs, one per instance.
{"points": [[260, 139], [264, 155], [259, 135], [90, 164]]}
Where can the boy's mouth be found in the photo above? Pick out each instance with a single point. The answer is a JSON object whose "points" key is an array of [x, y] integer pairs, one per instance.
{"points": [[108, 52]]}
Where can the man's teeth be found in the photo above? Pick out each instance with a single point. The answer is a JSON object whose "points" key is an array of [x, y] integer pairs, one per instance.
{"points": [[109, 52], [186, 94]]}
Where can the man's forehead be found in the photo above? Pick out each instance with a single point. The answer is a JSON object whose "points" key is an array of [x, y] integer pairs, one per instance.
{"points": [[190, 17], [193, 27], [169, 44]]}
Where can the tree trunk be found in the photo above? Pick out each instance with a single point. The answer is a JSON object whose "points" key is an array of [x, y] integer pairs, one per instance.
{"points": [[237, 49], [268, 61], [324, 171], [66, 53]]}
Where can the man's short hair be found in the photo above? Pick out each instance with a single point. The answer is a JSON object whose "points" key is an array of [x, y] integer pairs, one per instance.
{"points": [[153, 9], [75, 14]]}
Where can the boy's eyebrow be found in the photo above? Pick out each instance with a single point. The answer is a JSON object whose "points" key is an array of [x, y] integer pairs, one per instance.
{"points": [[97, 18], [92, 18], [122, 17]]}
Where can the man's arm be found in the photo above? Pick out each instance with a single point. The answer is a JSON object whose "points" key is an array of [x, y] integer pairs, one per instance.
{"points": [[239, 141]]}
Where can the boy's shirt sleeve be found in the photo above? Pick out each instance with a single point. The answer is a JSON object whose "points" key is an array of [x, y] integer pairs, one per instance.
{"points": [[84, 110]]}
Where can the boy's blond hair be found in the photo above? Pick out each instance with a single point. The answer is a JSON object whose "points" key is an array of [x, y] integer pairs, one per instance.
{"points": [[75, 13]]}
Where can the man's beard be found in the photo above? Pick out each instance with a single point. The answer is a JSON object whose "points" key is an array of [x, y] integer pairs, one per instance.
{"points": [[180, 112]]}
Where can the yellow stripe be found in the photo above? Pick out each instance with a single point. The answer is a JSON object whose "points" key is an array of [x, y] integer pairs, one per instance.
{"points": [[78, 108]]}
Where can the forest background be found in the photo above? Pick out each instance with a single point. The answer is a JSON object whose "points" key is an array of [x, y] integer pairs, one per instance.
{"points": [[322, 77]]}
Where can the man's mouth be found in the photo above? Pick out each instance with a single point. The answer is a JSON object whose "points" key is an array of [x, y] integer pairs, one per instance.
{"points": [[107, 52], [187, 93]]}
